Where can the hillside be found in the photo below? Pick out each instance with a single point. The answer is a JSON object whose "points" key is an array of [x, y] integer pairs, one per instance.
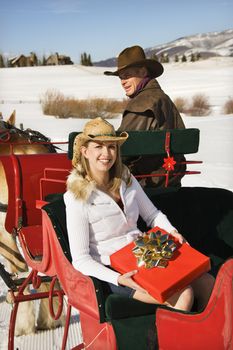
{"points": [[206, 44]]}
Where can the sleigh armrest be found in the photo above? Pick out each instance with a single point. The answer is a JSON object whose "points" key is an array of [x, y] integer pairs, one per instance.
{"points": [[31, 240]]}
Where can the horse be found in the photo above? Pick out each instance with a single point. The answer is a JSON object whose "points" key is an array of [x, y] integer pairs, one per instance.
{"points": [[15, 263]]}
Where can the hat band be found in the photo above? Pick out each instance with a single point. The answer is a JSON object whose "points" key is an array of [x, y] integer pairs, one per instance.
{"points": [[92, 136]]}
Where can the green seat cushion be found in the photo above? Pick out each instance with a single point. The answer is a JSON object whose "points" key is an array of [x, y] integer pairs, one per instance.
{"points": [[204, 216], [118, 307], [136, 333]]}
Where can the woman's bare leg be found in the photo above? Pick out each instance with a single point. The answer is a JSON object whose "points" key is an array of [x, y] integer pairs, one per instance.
{"points": [[182, 300], [202, 288]]}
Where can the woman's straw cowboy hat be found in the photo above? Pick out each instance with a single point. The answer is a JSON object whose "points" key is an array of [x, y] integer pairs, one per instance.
{"points": [[96, 130], [135, 56]]}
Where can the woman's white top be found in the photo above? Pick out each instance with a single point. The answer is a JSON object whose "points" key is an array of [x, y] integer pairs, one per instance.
{"points": [[98, 227]]}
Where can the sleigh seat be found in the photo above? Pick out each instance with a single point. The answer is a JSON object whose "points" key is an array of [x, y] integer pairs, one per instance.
{"points": [[121, 323]]}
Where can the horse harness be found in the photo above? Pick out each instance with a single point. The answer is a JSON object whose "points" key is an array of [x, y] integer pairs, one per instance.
{"points": [[32, 136]]}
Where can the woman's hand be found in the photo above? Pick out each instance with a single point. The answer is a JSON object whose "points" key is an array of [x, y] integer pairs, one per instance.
{"points": [[126, 280], [178, 236]]}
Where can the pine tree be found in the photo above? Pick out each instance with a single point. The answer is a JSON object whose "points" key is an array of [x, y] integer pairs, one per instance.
{"points": [[43, 60], [167, 59], [34, 59], [162, 58], [89, 60], [2, 65], [198, 56], [184, 59], [154, 57], [192, 57], [86, 60], [176, 58], [8, 64]]}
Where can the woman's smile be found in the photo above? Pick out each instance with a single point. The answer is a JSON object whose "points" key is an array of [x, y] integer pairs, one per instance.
{"points": [[101, 156]]}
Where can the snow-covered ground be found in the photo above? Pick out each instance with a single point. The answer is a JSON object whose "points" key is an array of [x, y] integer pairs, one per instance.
{"points": [[22, 88]]}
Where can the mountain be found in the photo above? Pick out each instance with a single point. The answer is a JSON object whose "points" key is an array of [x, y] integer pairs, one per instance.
{"points": [[206, 44]]}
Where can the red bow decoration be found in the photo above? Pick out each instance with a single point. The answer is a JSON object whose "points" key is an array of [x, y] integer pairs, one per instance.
{"points": [[169, 163]]}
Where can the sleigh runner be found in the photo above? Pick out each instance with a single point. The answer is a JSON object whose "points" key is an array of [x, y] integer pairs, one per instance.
{"points": [[36, 213]]}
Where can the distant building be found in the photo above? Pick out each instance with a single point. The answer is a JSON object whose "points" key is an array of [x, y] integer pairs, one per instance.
{"points": [[24, 61], [18, 61], [29, 61], [56, 59]]}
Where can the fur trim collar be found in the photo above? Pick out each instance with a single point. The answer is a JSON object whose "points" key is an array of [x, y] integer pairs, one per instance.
{"points": [[80, 186]]}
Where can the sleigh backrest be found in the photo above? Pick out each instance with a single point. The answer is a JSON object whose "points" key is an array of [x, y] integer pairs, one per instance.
{"points": [[179, 141], [157, 145]]}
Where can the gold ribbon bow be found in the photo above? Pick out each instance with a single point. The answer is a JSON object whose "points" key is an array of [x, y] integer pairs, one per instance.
{"points": [[154, 250]]}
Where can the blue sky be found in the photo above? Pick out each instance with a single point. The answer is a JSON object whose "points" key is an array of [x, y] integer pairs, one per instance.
{"points": [[103, 28]]}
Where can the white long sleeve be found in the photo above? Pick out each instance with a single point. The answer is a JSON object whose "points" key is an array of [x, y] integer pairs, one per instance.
{"points": [[98, 228], [78, 232]]}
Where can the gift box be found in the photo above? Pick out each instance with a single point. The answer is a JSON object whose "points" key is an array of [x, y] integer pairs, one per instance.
{"points": [[183, 266]]}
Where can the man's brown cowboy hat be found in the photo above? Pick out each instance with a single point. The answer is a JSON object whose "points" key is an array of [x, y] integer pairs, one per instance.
{"points": [[135, 56]]}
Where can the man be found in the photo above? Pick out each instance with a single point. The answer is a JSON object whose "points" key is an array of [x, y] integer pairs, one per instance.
{"points": [[149, 108]]}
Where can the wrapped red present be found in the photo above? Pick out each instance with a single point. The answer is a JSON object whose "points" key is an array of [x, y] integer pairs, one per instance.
{"points": [[164, 266]]}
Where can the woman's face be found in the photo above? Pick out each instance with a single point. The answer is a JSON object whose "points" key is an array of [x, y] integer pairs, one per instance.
{"points": [[130, 78], [100, 155]]}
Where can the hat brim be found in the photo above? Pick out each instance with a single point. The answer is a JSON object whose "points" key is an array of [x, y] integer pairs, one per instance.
{"points": [[121, 138], [155, 68], [104, 138]]}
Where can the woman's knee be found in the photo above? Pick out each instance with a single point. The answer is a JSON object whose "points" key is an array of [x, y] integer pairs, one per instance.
{"points": [[182, 300], [203, 285], [188, 298]]}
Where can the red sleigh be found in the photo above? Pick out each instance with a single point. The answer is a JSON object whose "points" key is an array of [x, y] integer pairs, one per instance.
{"points": [[36, 213]]}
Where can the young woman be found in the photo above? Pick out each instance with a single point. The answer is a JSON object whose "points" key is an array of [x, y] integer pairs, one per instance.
{"points": [[103, 202]]}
